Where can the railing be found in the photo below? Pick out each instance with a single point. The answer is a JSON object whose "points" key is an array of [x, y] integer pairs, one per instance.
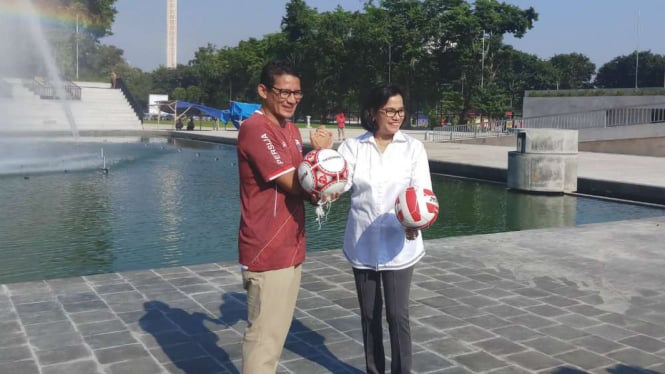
{"points": [[643, 91], [46, 89], [5, 88], [120, 83], [601, 118], [485, 129]]}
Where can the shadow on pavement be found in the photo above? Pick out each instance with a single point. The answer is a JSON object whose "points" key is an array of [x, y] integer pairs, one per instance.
{"points": [[194, 348]]}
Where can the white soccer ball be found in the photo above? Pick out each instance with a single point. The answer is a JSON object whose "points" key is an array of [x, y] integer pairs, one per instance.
{"points": [[324, 172], [416, 208]]}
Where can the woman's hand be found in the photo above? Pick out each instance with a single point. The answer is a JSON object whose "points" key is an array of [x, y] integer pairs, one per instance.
{"points": [[411, 234]]}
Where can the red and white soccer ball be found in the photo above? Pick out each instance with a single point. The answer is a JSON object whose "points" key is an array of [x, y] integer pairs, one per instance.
{"points": [[323, 171], [416, 208]]}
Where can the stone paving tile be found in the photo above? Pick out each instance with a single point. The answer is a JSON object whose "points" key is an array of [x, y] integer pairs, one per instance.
{"points": [[548, 345], [15, 353], [504, 310], [495, 293], [480, 361], [597, 344], [22, 366], [442, 322], [610, 332], [447, 346], [547, 310], [584, 359], [121, 353], [531, 321], [644, 343], [64, 353], [635, 357], [499, 346], [421, 333], [516, 333], [428, 362], [562, 332], [488, 321], [469, 333], [533, 360], [139, 365], [466, 317]]}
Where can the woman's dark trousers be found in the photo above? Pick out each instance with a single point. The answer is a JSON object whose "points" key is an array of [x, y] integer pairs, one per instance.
{"points": [[396, 285]]}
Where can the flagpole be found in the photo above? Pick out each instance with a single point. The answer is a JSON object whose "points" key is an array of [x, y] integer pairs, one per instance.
{"points": [[637, 50]]}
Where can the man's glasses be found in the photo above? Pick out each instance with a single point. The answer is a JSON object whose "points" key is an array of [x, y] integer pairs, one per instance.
{"points": [[390, 112], [284, 94]]}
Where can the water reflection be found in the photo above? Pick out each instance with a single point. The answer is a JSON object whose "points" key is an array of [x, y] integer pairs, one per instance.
{"points": [[530, 211]]}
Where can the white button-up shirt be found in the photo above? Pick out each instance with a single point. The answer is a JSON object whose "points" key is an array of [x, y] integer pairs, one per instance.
{"points": [[374, 238]]}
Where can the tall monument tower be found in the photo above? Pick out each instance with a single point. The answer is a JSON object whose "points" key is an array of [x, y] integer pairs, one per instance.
{"points": [[171, 33]]}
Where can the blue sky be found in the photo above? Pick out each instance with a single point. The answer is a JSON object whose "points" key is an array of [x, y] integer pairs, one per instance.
{"points": [[599, 29]]}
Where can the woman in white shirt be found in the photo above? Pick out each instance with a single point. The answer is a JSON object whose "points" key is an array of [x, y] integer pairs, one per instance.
{"points": [[382, 163]]}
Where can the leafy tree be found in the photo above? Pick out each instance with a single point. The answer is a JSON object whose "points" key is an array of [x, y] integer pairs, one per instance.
{"points": [[179, 93], [87, 22], [574, 70], [620, 71], [520, 72]]}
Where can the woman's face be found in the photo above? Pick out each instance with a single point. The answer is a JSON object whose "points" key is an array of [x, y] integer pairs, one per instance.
{"points": [[390, 117]]}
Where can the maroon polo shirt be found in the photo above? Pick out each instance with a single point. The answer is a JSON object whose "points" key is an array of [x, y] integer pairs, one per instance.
{"points": [[272, 222]]}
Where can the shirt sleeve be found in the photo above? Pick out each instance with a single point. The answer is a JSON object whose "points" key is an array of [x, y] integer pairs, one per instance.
{"points": [[420, 175], [347, 151], [268, 155]]}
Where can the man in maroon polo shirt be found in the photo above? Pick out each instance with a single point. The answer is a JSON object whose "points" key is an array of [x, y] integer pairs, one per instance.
{"points": [[271, 240]]}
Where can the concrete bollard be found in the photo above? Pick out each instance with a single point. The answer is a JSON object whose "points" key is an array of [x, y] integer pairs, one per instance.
{"points": [[545, 161]]}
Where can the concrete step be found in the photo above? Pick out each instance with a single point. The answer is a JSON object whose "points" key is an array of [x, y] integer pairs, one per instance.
{"points": [[99, 108]]}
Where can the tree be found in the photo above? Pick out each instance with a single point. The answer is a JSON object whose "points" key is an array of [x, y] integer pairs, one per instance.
{"points": [[520, 72], [574, 70], [620, 71], [77, 38]]}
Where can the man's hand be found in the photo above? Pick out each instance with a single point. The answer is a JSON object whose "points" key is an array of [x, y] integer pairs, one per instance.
{"points": [[321, 138]]}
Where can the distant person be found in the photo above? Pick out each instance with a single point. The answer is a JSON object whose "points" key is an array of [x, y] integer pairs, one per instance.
{"points": [[382, 163], [271, 238], [190, 124], [178, 124], [341, 124], [114, 78]]}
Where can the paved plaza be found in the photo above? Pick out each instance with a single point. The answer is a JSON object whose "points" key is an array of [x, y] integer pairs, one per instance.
{"points": [[585, 299]]}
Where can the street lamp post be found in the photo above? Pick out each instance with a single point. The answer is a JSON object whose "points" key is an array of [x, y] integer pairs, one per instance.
{"points": [[77, 46], [482, 61], [390, 60]]}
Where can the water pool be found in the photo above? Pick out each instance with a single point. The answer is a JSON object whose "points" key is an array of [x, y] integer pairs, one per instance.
{"points": [[169, 202]]}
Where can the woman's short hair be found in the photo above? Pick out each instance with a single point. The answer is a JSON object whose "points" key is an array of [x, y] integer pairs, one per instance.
{"points": [[376, 98]]}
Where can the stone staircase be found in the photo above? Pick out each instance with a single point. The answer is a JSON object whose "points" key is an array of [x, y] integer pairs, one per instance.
{"points": [[100, 108]]}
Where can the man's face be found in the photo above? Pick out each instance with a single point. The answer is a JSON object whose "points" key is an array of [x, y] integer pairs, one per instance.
{"points": [[281, 100]]}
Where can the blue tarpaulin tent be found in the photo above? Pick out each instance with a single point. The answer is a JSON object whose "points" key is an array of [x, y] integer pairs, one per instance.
{"points": [[184, 107], [236, 114], [242, 111]]}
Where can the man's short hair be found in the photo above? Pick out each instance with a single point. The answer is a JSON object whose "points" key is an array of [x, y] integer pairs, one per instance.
{"points": [[274, 69]]}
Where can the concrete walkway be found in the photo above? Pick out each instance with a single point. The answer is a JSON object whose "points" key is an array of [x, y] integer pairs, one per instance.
{"points": [[637, 178], [566, 300]]}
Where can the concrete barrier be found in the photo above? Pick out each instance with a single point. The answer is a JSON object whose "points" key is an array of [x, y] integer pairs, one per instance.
{"points": [[545, 161]]}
